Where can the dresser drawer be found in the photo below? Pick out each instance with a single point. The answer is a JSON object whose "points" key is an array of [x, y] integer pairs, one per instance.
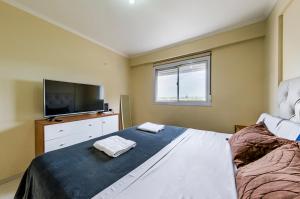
{"points": [[62, 142], [89, 126], [59, 143], [65, 129], [56, 130], [110, 124], [85, 136]]}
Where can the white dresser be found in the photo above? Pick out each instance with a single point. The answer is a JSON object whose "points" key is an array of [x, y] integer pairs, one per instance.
{"points": [[73, 130]]}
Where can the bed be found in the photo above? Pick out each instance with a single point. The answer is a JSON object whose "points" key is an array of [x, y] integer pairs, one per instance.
{"points": [[80, 171], [175, 163]]}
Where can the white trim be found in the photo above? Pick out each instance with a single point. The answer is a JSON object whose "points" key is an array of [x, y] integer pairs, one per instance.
{"points": [[191, 103], [64, 27]]}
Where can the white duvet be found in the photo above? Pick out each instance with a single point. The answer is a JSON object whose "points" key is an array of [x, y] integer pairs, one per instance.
{"points": [[196, 165]]}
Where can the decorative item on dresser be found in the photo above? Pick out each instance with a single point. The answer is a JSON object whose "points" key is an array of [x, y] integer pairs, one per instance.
{"points": [[52, 135]]}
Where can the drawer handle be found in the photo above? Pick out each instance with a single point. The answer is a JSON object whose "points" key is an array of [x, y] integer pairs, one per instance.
{"points": [[90, 125], [61, 131], [103, 122], [90, 136], [61, 144]]}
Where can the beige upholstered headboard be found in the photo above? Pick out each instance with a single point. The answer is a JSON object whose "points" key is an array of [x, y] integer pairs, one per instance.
{"points": [[289, 99]]}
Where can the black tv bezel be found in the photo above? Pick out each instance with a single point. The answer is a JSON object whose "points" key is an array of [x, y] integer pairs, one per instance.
{"points": [[67, 114]]}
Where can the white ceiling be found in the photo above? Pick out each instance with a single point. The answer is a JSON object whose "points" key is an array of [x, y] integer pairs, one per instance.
{"points": [[148, 24]]}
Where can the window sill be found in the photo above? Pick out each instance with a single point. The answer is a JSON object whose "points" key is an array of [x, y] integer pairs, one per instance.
{"points": [[204, 104]]}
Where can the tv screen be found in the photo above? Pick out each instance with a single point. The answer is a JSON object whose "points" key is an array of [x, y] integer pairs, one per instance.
{"points": [[62, 98]]}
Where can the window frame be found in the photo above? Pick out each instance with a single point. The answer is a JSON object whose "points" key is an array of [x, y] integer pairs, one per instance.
{"points": [[176, 64]]}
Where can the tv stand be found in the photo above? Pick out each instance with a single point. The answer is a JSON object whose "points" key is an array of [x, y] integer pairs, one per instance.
{"points": [[50, 134]]}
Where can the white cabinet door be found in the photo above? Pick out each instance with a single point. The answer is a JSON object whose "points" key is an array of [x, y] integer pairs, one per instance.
{"points": [[110, 124], [60, 143], [72, 139], [82, 137], [93, 126], [56, 131]]}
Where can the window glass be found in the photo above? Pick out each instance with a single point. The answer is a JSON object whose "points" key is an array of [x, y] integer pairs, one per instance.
{"points": [[192, 82], [166, 87], [183, 82]]}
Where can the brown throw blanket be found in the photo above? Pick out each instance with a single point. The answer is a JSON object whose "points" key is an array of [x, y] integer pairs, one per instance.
{"points": [[252, 143], [274, 176]]}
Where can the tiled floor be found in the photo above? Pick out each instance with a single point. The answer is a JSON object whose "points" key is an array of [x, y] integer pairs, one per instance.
{"points": [[7, 190]]}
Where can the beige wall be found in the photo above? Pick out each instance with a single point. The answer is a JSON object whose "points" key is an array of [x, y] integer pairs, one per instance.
{"points": [[237, 91], [291, 41], [202, 44], [278, 47], [30, 50]]}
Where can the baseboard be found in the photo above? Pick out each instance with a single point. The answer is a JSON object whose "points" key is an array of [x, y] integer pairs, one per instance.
{"points": [[11, 178]]}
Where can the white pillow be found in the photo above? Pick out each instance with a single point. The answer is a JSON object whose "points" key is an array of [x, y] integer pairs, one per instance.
{"points": [[296, 118], [288, 130], [280, 127], [270, 121]]}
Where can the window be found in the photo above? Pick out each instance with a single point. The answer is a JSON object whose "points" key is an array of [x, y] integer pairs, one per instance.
{"points": [[184, 81]]}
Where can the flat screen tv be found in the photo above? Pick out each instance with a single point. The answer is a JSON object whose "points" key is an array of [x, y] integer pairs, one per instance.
{"points": [[65, 98]]}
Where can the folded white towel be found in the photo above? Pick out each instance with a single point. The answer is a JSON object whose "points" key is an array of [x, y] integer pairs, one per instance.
{"points": [[114, 145], [151, 127]]}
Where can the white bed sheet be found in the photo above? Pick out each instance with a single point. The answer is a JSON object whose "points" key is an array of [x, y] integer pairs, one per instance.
{"points": [[198, 164]]}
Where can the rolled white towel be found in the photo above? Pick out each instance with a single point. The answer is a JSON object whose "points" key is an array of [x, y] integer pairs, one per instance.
{"points": [[151, 127], [114, 145]]}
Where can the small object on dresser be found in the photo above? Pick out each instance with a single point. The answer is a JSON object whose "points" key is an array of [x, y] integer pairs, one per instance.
{"points": [[107, 113], [106, 107], [54, 119], [238, 127]]}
